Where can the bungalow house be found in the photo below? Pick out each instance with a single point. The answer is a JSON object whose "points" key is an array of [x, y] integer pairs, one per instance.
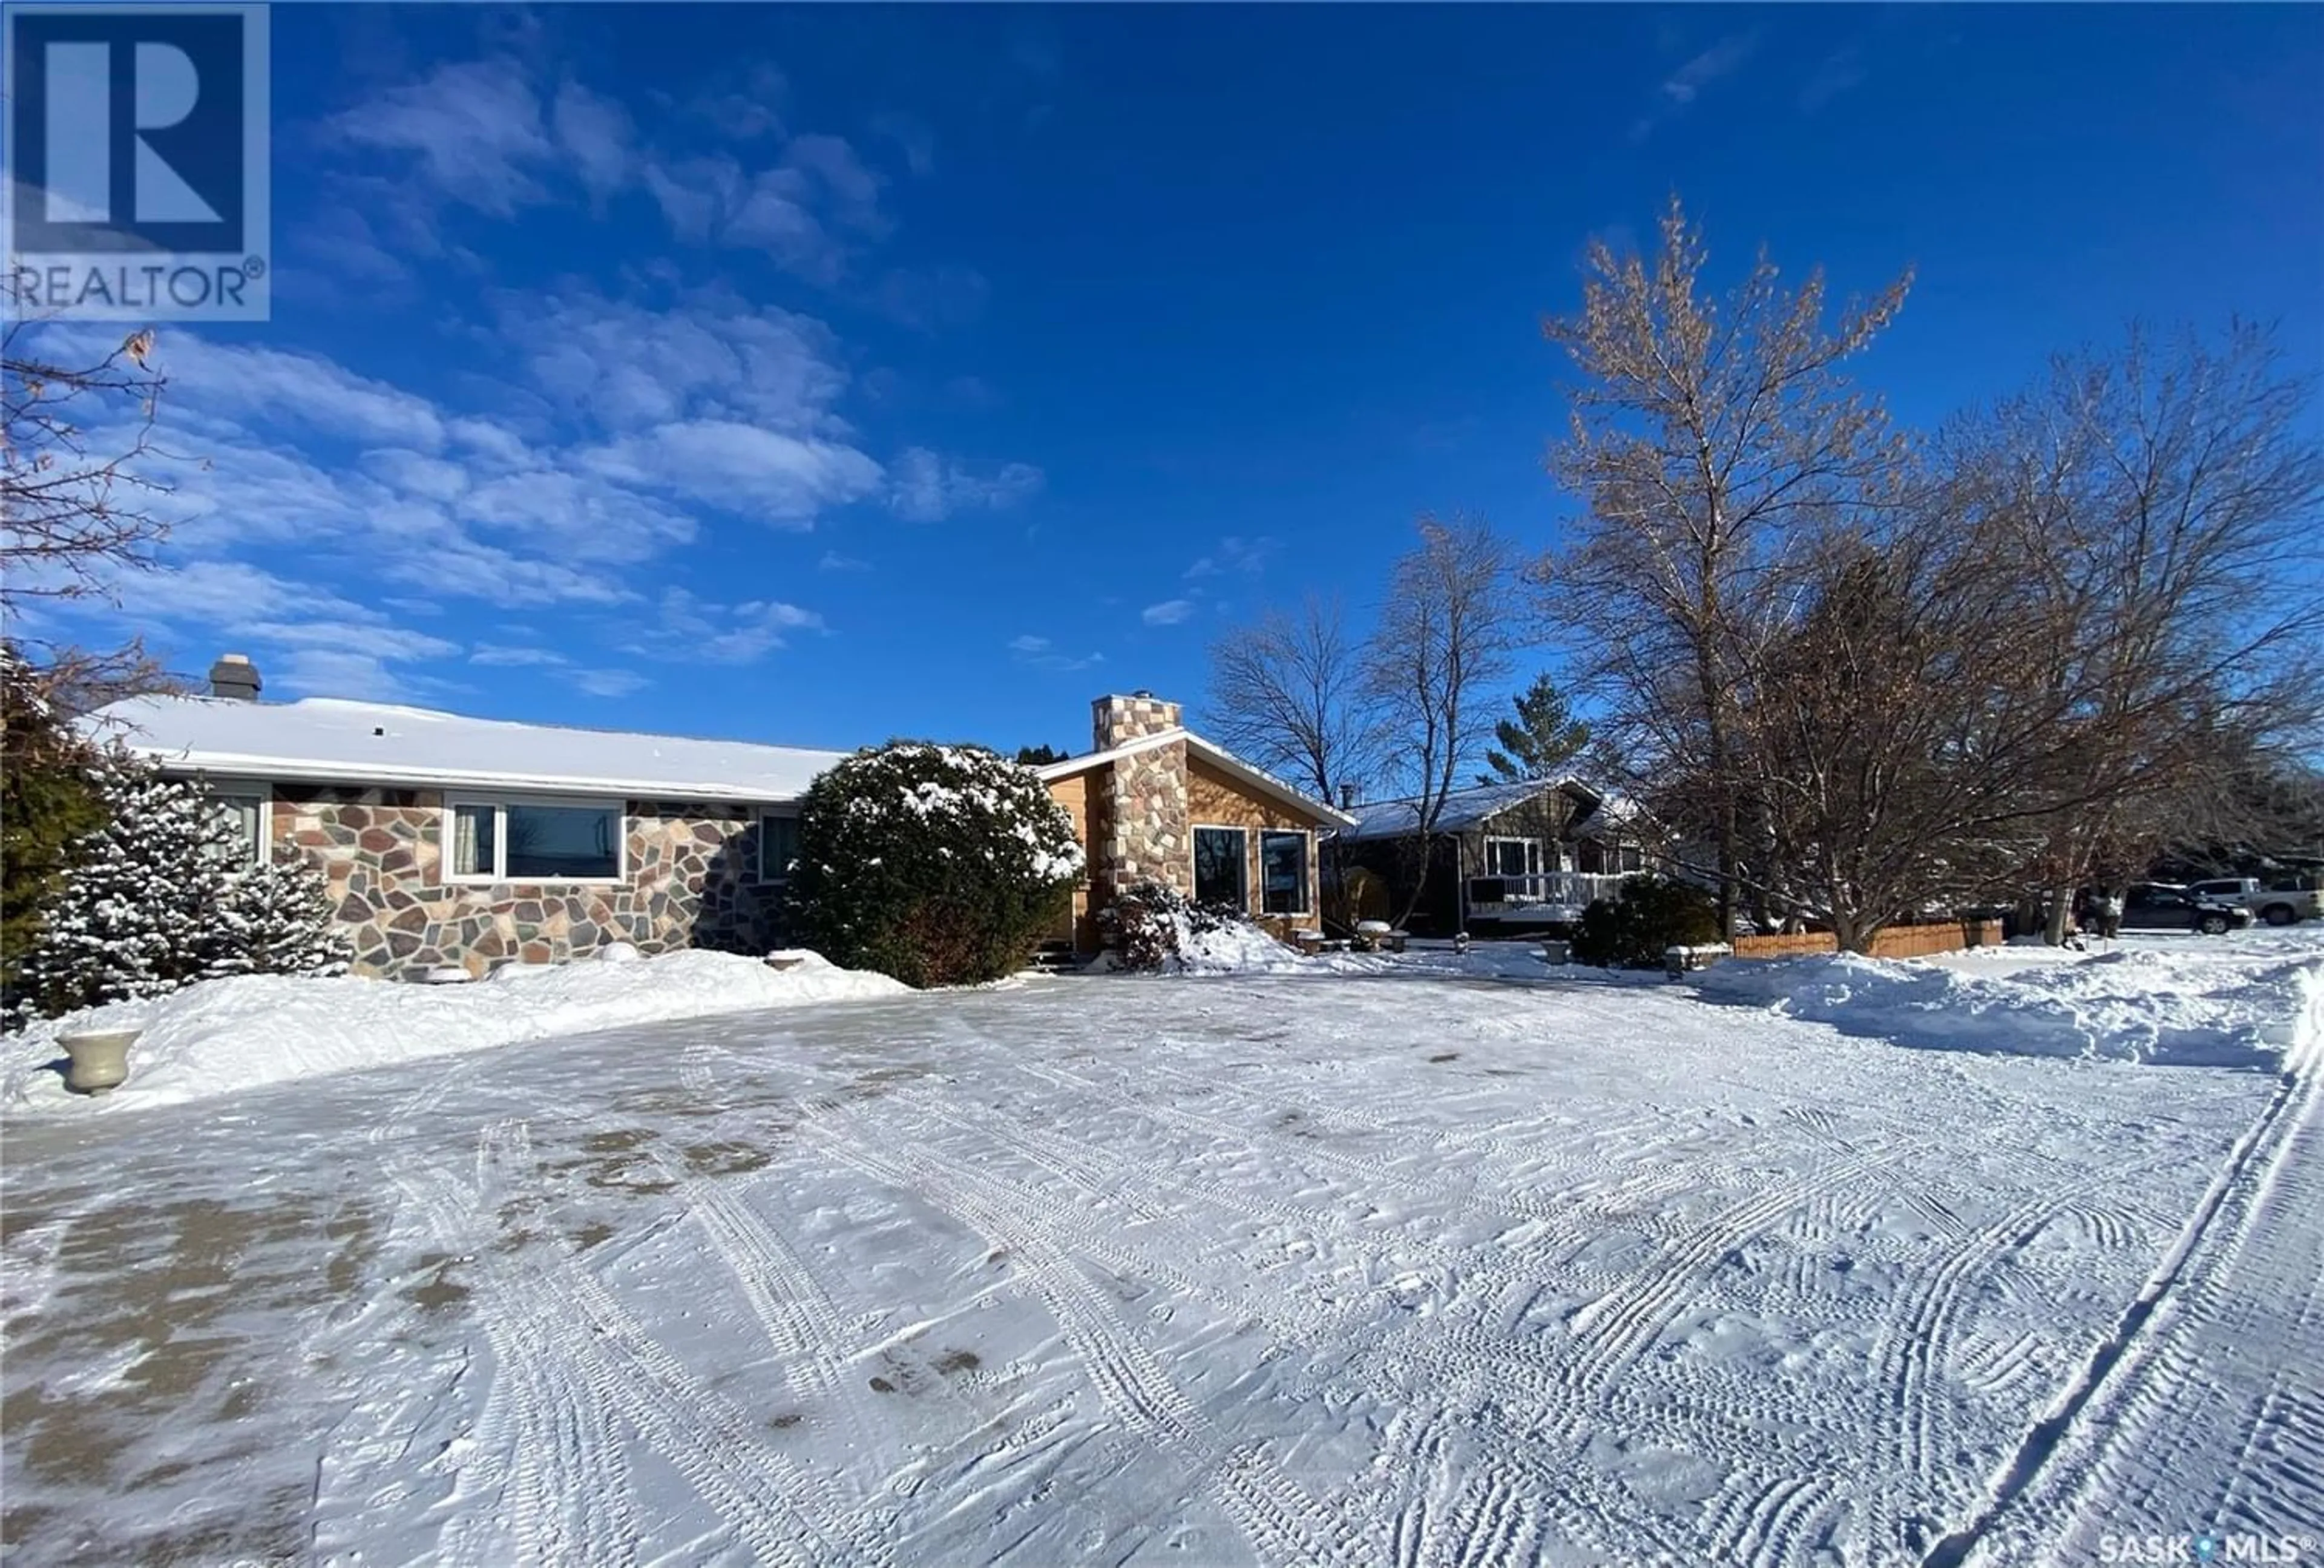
{"points": [[1501, 857], [448, 840], [1153, 800]]}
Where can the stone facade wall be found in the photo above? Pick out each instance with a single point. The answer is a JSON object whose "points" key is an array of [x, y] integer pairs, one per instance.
{"points": [[1116, 721], [691, 882]]}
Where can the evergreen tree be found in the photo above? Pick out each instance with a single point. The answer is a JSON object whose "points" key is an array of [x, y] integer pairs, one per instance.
{"points": [[1539, 742], [1038, 756], [276, 919], [46, 802], [162, 895]]}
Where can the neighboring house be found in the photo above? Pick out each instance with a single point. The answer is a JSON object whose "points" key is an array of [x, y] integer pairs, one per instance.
{"points": [[454, 841], [448, 840], [1153, 800], [1529, 853]]}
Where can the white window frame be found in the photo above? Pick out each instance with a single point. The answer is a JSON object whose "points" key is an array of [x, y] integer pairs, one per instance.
{"points": [[1307, 875], [1193, 863], [758, 856], [1532, 856], [261, 839], [448, 829]]}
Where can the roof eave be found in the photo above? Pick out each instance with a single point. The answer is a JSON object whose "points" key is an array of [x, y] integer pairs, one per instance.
{"points": [[1218, 755], [310, 772]]}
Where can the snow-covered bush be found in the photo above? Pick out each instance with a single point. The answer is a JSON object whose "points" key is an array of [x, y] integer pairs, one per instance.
{"points": [[939, 865], [164, 894], [1150, 924], [1653, 913]]}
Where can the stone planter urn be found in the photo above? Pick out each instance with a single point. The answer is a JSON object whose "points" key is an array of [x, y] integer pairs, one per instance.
{"points": [[100, 1058]]}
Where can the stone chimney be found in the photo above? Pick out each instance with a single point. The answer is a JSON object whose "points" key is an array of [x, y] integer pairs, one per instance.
{"points": [[236, 678], [1116, 721], [1137, 807]]}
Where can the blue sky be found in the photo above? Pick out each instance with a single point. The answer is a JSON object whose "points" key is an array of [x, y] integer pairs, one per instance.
{"points": [[820, 375]]}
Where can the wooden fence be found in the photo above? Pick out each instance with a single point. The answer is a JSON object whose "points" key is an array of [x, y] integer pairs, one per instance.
{"points": [[1894, 942]]}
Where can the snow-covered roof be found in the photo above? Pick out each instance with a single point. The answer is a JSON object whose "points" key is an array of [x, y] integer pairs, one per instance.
{"points": [[1218, 756], [1463, 808], [332, 739]]}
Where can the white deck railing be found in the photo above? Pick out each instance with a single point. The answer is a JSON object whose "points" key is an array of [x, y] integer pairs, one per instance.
{"points": [[1563, 888]]}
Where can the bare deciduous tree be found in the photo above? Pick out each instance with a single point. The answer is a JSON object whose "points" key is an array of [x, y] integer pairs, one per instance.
{"points": [[1708, 436], [1289, 693], [75, 502], [2161, 510], [1447, 634]]}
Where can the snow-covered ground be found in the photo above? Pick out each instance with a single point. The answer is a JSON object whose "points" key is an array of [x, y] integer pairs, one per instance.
{"points": [[228, 1037], [1395, 1262]]}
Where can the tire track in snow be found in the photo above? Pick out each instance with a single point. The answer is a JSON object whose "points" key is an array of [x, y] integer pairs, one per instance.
{"points": [[1616, 1329], [1916, 1336], [550, 1453], [2127, 1445], [1282, 1522], [594, 1357], [1763, 1523], [1385, 1174], [789, 1302], [1447, 1514]]}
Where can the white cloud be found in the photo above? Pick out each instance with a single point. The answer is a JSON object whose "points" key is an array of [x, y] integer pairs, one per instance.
{"points": [[500, 657], [429, 478], [596, 134], [1722, 59], [927, 488], [1236, 554], [832, 561], [1169, 613], [695, 630], [608, 682], [740, 468], [710, 354], [585, 520], [491, 135], [1041, 653], [1685, 85], [473, 128], [911, 137], [304, 637], [211, 381], [338, 673]]}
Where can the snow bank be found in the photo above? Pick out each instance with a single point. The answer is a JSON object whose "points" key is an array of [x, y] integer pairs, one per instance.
{"points": [[222, 1037], [2245, 1011], [1235, 949]]}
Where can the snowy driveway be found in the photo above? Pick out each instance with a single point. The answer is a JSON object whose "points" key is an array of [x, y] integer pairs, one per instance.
{"points": [[1277, 1270]]}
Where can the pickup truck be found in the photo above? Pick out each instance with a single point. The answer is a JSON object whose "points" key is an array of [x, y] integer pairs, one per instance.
{"points": [[2278, 905]]}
